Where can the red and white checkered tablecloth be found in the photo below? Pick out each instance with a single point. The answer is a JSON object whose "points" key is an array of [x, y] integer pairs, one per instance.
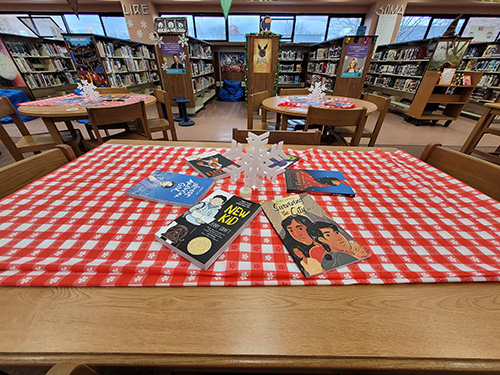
{"points": [[60, 100], [76, 227]]}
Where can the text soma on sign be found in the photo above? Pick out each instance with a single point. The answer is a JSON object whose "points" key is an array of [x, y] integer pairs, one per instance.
{"points": [[134, 9], [391, 9]]}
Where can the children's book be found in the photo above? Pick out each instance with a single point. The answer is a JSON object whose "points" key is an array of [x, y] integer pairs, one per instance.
{"points": [[317, 182], [211, 164], [315, 241], [171, 188], [207, 229]]}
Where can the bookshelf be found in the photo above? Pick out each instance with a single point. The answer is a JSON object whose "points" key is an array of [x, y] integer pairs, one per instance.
{"points": [[196, 81], [291, 66], [114, 62], [44, 64]]}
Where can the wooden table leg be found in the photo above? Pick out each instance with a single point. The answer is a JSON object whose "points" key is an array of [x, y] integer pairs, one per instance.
{"points": [[51, 126], [284, 122]]}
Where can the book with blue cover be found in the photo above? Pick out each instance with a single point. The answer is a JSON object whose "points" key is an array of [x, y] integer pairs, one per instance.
{"points": [[171, 188], [317, 182]]}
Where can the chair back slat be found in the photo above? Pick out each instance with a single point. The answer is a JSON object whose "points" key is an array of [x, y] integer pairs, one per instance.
{"points": [[288, 92], [254, 101]]}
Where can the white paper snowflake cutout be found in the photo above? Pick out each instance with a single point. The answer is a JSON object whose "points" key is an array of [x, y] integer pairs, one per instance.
{"points": [[256, 160], [182, 56], [139, 33], [164, 66], [156, 39], [89, 91], [144, 24], [317, 92], [130, 23], [183, 40]]}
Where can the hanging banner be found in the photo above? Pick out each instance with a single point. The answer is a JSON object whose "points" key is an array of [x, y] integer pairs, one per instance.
{"points": [[354, 60], [172, 51], [262, 55]]}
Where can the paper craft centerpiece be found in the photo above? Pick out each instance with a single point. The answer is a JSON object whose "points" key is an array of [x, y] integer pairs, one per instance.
{"points": [[89, 91], [256, 162]]}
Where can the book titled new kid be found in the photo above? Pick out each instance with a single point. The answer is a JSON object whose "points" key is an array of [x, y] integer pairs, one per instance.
{"points": [[211, 164], [171, 188], [315, 241], [206, 230], [317, 182]]}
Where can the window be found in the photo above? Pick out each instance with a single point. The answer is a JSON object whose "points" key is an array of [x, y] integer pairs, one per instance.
{"points": [[210, 28], [309, 29], [189, 21], [440, 25], [10, 24], [239, 26], [284, 26], [87, 23], [57, 19], [482, 29], [43, 26], [115, 27], [340, 27], [412, 28]]}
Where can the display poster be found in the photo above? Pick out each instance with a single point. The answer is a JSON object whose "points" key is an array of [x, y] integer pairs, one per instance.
{"points": [[262, 55], [9, 75], [232, 62], [448, 54], [172, 51], [482, 33], [87, 62], [354, 60], [385, 28]]}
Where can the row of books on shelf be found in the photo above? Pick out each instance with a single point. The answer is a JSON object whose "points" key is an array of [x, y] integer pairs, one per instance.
{"points": [[291, 55], [322, 67], [402, 84], [35, 49], [200, 83], [200, 51], [201, 67], [333, 52], [287, 78], [480, 93], [290, 67], [109, 49], [214, 219], [327, 81], [480, 65], [490, 80], [120, 80], [128, 65], [40, 80], [404, 69], [30, 65], [491, 50], [413, 53]]}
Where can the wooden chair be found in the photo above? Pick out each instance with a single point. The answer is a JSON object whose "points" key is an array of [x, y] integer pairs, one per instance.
{"points": [[70, 369], [484, 126], [332, 117], [297, 91], [480, 174], [132, 115], [19, 174], [166, 121], [32, 142], [255, 102], [295, 120], [275, 136], [382, 104]]}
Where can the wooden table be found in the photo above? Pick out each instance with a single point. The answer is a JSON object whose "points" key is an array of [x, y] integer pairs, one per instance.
{"points": [[271, 104], [61, 113], [426, 328]]}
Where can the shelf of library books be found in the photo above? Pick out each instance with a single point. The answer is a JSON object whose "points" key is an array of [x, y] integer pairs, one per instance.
{"points": [[291, 65], [44, 64], [192, 77], [485, 58], [114, 62]]}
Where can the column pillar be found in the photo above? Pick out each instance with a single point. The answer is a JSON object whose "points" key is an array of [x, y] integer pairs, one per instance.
{"points": [[140, 16]]}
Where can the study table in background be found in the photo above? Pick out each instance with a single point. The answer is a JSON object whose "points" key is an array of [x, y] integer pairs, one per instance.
{"points": [[424, 327]]}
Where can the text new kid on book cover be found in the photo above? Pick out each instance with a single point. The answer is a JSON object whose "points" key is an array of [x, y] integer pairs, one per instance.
{"points": [[315, 241]]}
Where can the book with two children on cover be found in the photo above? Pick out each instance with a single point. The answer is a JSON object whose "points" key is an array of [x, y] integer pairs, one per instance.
{"points": [[315, 241]]}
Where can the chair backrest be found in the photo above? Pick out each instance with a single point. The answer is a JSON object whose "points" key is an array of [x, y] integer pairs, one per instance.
{"points": [[382, 104], [164, 109], [301, 91], [355, 117], [67, 368], [7, 109], [112, 90], [275, 136], [254, 101], [19, 174], [480, 174], [133, 112]]}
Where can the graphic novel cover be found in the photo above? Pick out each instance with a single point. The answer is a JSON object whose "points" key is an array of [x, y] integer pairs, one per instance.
{"points": [[317, 182], [211, 164], [171, 188], [315, 241], [207, 229], [284, 163]]}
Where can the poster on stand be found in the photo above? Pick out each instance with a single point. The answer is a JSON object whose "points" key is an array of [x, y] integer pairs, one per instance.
{"points": [[172, 51], [9, 75], [448, 54], [232, 62], [87, 61], [262, 55], [354, 60]]}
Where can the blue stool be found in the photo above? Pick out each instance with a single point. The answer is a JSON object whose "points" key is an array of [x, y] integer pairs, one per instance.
{"points": [[184, 120]]}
